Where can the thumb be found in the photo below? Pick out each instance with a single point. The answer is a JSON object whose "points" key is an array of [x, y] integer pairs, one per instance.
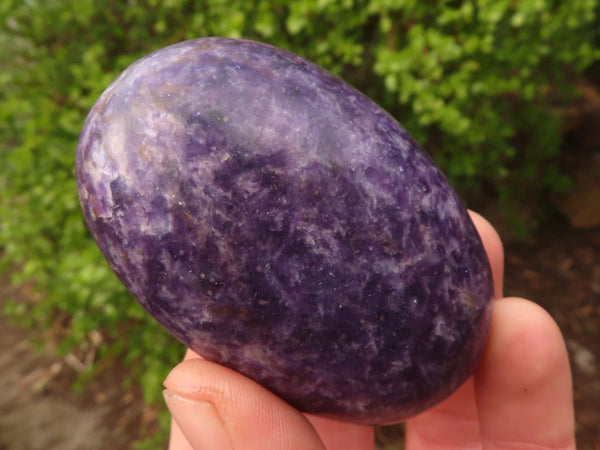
{"points": [[216, 407]]}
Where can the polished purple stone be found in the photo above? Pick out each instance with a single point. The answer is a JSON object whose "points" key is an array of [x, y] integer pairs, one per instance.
{"points": [[278, 222]]}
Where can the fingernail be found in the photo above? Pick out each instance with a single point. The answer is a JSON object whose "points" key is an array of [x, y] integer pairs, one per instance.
{"points": [[199, 421]]}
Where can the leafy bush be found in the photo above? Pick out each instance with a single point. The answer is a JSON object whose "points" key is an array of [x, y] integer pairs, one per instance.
{"points": [[477, 82]]}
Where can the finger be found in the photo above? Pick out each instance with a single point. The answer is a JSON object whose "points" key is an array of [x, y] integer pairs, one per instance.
{"points": [[494, 249], [523, 383], [216, 407], [177, 440], [335, 435], [454, 423]]}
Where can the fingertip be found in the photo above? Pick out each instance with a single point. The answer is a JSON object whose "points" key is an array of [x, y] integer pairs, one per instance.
{"points": [[198, 421], [189, 378], [494, 249], [522, 325]]}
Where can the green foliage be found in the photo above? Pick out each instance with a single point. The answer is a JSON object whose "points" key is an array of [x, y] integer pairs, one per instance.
{"points": [[478, 82], [483, 79]]}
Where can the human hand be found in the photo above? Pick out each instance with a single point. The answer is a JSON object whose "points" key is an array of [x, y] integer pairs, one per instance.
{"points": [[520, 396]]}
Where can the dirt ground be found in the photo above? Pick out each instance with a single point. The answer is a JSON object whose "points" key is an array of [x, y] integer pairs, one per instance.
{"points": [[40, 409], [559, 268]]}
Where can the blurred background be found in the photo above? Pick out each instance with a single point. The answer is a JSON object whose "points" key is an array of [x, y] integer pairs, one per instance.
{"points": [[504, 95]]}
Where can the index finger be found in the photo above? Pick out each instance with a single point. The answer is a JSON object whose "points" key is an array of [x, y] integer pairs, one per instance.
{"points": [[494, 249]]}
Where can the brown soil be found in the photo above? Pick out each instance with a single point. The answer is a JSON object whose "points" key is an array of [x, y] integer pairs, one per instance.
{"points": [[39, 409], [560, 270]]}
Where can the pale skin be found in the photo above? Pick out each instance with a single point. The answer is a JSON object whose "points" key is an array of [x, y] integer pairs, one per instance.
{"points": [[520, 396]]}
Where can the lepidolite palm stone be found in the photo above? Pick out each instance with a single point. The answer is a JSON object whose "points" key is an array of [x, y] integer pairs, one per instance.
{"points": [[278, 222]]}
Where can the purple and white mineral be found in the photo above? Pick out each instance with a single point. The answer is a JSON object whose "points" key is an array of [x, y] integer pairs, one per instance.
{"points": [[278, 222]]}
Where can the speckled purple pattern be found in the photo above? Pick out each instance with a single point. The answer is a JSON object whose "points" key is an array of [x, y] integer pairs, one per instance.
{"points": [[277, 221]]}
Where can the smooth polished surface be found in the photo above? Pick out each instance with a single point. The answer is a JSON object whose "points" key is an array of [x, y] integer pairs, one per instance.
{"points": [[277, 221]]}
